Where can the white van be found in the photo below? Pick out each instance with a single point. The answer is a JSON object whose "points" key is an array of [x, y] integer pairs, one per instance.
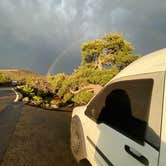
{"points": [[125, 123]]}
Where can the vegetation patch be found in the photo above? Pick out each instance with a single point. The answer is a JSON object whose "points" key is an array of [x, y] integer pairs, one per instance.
{"points": [[102, 59]]}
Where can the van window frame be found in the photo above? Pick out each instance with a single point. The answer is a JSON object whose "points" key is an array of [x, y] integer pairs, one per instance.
{"points": [[158, 77], [120, 87]]}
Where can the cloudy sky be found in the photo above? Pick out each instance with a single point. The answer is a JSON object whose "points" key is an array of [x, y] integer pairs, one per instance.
{"points": [[45, 35]]}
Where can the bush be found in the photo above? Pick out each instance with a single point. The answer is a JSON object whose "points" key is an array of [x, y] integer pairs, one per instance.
{"points": [[4, 79], [102, 77], [82, 97], [67, 98], [37, 100], [68, 84], [102, 59], [56, 81], [26, 99], [45, 105], [27, 91], [53, 102]]}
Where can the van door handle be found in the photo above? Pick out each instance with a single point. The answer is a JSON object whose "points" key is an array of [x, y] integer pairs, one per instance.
{"points": [[136, 155]]}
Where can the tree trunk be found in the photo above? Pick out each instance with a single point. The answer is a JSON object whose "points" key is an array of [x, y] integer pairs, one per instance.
{"points": [[99, 64], [91, 87]]}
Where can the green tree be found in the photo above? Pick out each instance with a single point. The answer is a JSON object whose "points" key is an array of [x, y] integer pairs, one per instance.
{"points": [[82, 98], [102, 59], [112, 51], [91, 51], [57, 80]]}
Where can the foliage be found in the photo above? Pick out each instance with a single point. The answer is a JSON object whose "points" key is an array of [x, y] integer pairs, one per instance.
{"points": [[21, 75], [67, 85], [91, 50], [26, 99], [4, 79], [45, 105], [28, 91], [102, 59], [53, 102], [113, 50], [67, 98], [56, 81], [83, 97], [37, 100], [86, 75]]}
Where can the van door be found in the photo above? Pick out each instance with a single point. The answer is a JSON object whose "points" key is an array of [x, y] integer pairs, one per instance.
{"points": [[127, 130]]}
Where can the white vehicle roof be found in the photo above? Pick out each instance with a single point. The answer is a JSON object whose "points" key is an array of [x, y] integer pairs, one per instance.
{"points": [[153, 62]]}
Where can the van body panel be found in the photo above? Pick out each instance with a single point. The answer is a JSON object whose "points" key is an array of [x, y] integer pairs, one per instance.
{"points": [[162, 159], [111, 142], [106, 145], [153, 62]]}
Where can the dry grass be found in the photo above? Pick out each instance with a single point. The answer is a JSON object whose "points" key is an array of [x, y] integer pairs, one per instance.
{"points": [[19, 74]]}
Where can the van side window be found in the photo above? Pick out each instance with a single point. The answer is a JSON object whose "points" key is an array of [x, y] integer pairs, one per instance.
{"points": [[126, 110]]}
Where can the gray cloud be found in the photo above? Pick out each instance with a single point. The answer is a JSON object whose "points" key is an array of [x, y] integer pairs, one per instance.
{"points": [[36, 34]]}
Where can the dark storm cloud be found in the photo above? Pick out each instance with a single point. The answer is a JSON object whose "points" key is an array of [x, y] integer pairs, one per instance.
{"points": [[36, 34]]}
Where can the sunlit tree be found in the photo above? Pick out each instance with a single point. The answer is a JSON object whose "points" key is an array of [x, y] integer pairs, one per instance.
{"points": [[111, 51]]}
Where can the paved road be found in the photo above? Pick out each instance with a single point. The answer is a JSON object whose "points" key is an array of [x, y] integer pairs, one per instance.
{"points": [[9, 114], [32, 136]]}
